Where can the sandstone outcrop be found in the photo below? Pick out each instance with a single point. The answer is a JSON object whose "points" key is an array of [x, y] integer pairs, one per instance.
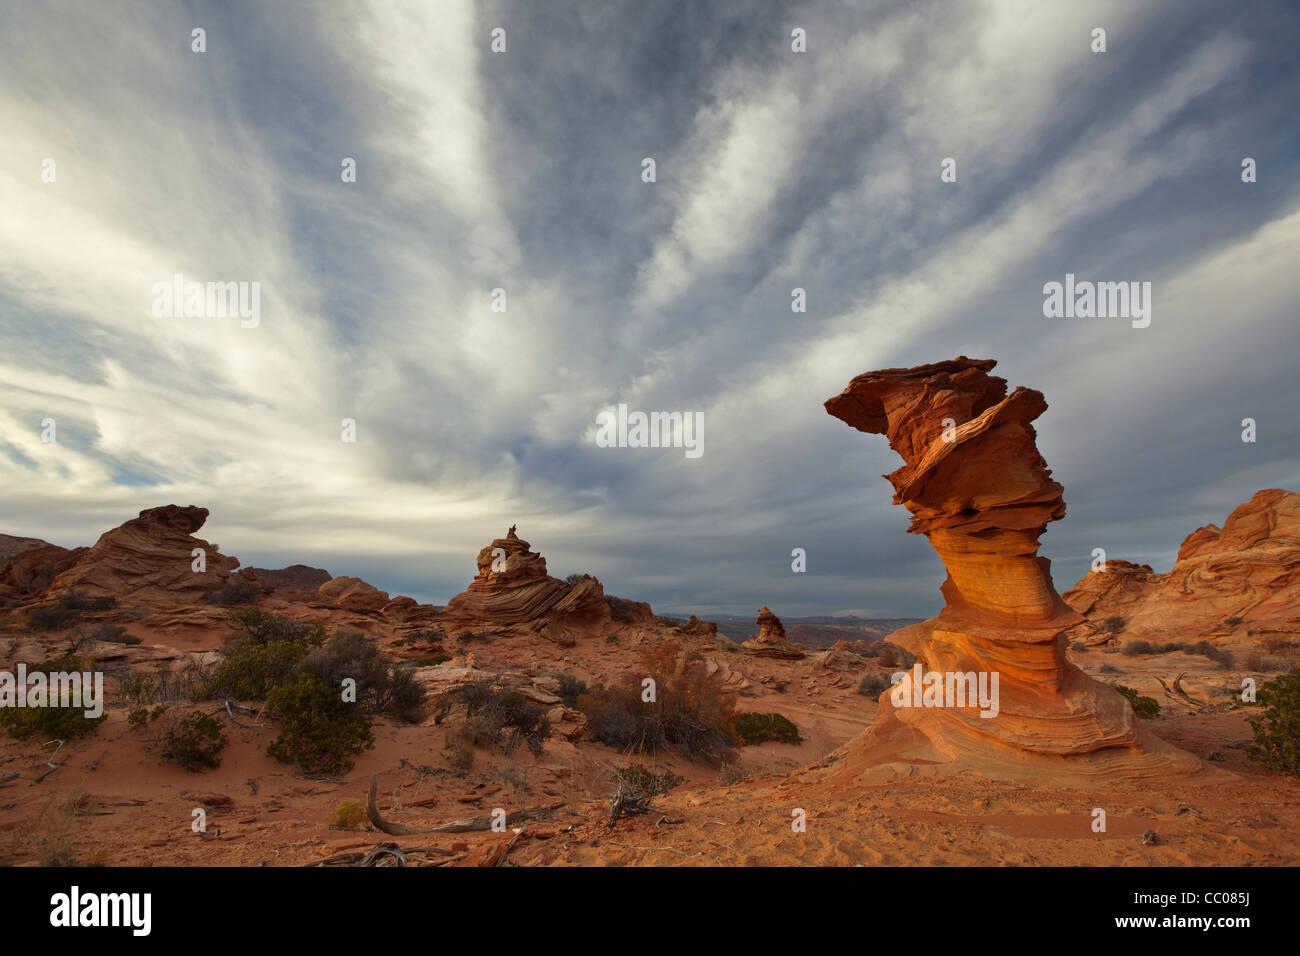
{"points": [[512, 588], [980, 492], [151, 556], [1236, 580], [31, 570], [296, 577], [771, 640]]}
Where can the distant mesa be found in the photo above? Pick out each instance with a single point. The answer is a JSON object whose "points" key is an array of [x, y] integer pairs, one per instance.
{"points": [[1239, 581], [771, 640], [981, 493]]}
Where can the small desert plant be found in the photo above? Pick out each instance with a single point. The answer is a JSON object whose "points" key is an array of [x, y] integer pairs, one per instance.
{"points": [[575, 578], [731, 775], [1275, 643], [74, 600], [348, 815], [873, 685], [571, 688], [496, 717], [234, 592], [51, 721], [1109, 669], [754, 729], [113, 634], [140, 716], [461, 758], [646, 782], [1113, 624], [1277, 729], [319, 732], [1144, 707], [1233, 621], [621, 611], [51, 618], [195, 742], [1206, 649]]}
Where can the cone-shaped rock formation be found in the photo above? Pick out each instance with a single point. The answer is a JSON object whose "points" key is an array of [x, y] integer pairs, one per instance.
{"points": [[981, 493]]}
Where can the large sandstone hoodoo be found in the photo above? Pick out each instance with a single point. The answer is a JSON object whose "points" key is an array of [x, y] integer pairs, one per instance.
{"points": [[512, 587], [981, 493], [771, 640]]}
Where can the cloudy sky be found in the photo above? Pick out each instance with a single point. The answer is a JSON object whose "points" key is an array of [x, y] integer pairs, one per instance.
{"points": [[522, 171]]}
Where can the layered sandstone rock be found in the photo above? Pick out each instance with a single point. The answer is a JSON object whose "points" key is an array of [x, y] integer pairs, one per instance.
{"points": [[296, 577], [981, 493], [1240, 579], [512, 588], [771, 640], [31, 570], [148, 557], [352, 594]]}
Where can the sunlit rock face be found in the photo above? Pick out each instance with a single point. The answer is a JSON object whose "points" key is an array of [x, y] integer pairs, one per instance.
{"points": [[1237, 584], [980, 492]]}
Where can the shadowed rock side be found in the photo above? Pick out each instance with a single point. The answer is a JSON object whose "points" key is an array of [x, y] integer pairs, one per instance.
{"points": [[1238, 581], [978, 489]]}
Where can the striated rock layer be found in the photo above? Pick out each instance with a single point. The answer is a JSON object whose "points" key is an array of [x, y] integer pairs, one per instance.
{"points": [[771, 640], [512, 587], [978, 489], [1242, 580], [150, 554]]}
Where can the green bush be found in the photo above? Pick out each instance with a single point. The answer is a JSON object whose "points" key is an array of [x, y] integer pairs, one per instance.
{"points": [[381, 689], [571, 688], [262, 655], [195, 743], [234, 591], [318, 731], [1144, 707], [53, 723], [754, 729], [1277, 729]]}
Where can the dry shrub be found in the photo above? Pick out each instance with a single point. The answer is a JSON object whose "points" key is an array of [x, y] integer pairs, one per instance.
{"points": [[692, 711]]}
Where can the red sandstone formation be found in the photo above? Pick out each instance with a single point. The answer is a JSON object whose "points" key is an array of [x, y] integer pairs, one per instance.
{"points": [[149, 555], [981, 493], [513, 588], [1237, 580], [771, 640], [32, 570], [296, 577]]}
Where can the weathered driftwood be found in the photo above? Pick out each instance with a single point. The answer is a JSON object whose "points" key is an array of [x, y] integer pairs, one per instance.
{"points": [[472, 824], [50, 763], [627, 801], [231, 712]]}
